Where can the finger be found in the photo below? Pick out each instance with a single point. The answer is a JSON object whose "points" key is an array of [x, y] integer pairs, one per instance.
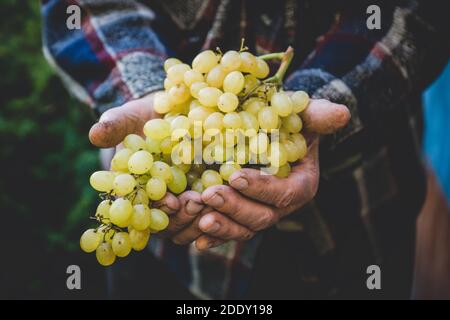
{"points": [[220, 226], [299, 187], [190, 207], [205, 242], [170, 204], [116, 123], [189, 234], [325, 117], [254, 215]]}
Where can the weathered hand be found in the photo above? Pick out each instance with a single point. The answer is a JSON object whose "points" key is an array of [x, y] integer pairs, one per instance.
{"points": [[252, 201], [112, 128]]}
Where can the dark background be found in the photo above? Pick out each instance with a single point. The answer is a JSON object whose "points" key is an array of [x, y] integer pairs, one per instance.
{"points": [[45, 161]]}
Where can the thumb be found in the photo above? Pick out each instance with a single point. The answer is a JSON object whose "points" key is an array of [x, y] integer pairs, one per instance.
{"points": [[325, 117], [116, 123]]}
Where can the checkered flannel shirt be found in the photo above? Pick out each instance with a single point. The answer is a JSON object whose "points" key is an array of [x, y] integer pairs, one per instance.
{"points": [[118, 55]]}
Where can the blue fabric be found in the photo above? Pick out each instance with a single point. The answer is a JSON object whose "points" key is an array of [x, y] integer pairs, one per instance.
{"points": [[437, 128]]}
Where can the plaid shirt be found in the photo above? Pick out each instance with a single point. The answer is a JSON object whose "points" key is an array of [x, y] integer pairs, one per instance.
{"points": [[372, 183]]}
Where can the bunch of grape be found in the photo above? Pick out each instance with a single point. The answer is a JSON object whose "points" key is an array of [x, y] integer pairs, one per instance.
{"points": [[219, 114]]}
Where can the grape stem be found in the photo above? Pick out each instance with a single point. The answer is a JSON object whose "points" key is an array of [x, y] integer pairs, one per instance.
{"points": [[277, 78], [286, 59]]}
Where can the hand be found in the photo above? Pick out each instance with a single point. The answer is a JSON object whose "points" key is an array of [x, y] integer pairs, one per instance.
{"points": [[253, 202], [110, 131]]}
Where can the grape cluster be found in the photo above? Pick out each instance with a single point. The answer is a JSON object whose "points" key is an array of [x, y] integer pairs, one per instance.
{"points": [[220, 113]]}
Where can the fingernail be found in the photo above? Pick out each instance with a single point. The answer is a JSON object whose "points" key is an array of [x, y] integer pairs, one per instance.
{"points": [[208, 224], [193, 207], [213, 228], [239, 183], [216, 200]]}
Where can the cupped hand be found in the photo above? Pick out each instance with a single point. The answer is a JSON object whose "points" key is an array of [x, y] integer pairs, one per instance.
{"points": [[114, 125], [253, 201]]}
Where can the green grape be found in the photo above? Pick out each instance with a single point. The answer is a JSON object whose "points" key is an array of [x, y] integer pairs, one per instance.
{"points": [[102, 181], [195, 104], [141, 197], [124, 184], [281, 103], [191, 176], [268, 118], [259, 143], [277, 154], [227, 169], [134, 142], [140, 220], [197, 186], [181, 107], [119, 162], [185, 167], [121, 212], [292, 123], [139, 239], [103, 209], [262, 69], [121, 244], [205, 61], [152, 146], [222, 154], [180, 122], [300, 100], [178, 94], [171, 62], [232, 120], [209, 96], [234, 82], [215, 77], [168, 84], [214, 121], [176, 72], [283, 171], [161, 170], [231, 61], [253, 105], [156, 188], [157, 129], [192, 76], [250, 82], [228, 102], [166, 145], [179, 182], [300, 143], [106, 233], [283, 134], [211, 178], [105, 254], [163, 102], [199, 115], [292, 150], [241, 155], [159, 219], [196, 87], [140, 162], [90, 240], [182, 155], [248, 62], [249, 122]]}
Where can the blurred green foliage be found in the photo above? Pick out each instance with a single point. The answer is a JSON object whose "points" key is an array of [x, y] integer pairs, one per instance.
{"points": [[45, 156]]}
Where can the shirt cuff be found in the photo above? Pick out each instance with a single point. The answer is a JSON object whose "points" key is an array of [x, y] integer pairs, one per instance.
{"points": [[320, 84], [134, 76]]}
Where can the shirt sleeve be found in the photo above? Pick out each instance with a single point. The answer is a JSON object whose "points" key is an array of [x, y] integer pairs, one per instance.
{"points": [[114, 57], [371, 71]]}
